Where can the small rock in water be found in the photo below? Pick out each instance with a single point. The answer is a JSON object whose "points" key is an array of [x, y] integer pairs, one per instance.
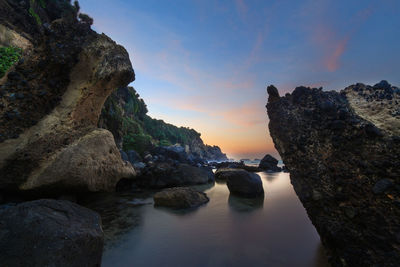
{"points": [[180, 198]]}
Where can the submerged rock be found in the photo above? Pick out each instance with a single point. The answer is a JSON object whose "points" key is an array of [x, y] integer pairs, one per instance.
{"points": [[242, 183], [180, 198], [50, 233], [343, 152]]}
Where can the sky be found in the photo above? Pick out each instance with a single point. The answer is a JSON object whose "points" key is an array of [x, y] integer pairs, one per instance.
{"points": [[205, 64]]}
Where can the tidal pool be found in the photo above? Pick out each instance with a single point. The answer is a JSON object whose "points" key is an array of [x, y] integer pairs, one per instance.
{"points": [[227, 231]]}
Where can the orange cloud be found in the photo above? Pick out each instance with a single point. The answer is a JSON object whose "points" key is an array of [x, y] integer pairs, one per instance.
{"points": [[332, 60], [247, 115]]}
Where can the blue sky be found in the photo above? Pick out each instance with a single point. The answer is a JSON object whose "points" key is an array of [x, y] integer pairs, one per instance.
{"points": [[206, 64]]}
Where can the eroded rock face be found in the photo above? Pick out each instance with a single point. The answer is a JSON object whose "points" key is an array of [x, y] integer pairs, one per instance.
{"points": [[50, 233], [180, 198], [52, 98], [343, 152]]}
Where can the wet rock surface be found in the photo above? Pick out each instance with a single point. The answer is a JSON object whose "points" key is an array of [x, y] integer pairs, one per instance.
{"points": [[180, 198], [242, 183], [50, 233], [343, 153]]}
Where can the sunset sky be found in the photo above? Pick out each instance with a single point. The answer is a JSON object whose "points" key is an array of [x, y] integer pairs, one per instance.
{"points": [[206, 64]]}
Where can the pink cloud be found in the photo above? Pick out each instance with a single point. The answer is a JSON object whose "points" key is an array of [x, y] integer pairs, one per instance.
{"points": [[333, 43], [332, 60], [247, 115]]}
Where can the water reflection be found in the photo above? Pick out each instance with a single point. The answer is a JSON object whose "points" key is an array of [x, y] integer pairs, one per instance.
{"points": [[227, 231], [271, 176], [242, 204]]}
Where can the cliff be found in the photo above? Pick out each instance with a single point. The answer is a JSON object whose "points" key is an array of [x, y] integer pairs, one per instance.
{"points": [[51, 99], [125, 115], [343, 153]]}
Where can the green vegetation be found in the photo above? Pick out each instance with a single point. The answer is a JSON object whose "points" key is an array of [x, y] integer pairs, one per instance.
{"points": [[126, 115], [32, 10], [8, 56], [42, 3]]}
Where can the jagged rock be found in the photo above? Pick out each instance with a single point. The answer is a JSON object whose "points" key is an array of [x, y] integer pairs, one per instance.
{"points": [[242, 183], [180, 198], [343, 152], [52, 141], [269, 163], [48, 233]]}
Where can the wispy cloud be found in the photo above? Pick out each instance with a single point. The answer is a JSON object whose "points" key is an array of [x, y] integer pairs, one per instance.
{"points": [[331, 41]]}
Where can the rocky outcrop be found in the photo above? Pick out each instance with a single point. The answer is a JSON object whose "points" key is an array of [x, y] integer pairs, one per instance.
{"points": [[180, 198], [170, 174], [242, 183], [125, 115], [343, 152], [269, 163], [50, 233], [51, 101]]}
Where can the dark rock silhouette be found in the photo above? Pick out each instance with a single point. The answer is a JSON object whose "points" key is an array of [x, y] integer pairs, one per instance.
{"points": [[269, 163]]}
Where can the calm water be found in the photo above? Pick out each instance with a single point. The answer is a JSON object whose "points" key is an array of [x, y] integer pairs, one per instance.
{"points": [[228, 231]]}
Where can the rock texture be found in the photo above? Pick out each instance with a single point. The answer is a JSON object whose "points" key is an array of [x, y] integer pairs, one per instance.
{"points": [[242, 183], [50, 101], [180, 198], [269, 163], [343, 153], [167, 174], [50, 233]]}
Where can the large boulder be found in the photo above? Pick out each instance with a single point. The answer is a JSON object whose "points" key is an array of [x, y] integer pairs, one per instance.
{"points": [[50, 233], [343, 152], [180, 198], [243, 183], [48, 134], [269, 163], [223, 174]]}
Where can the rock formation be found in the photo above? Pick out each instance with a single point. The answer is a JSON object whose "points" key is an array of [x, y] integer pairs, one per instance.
{"points": [[125, 115], [168, 174], [269, 163], [50, 101], [343, 153], [50, 233]]}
